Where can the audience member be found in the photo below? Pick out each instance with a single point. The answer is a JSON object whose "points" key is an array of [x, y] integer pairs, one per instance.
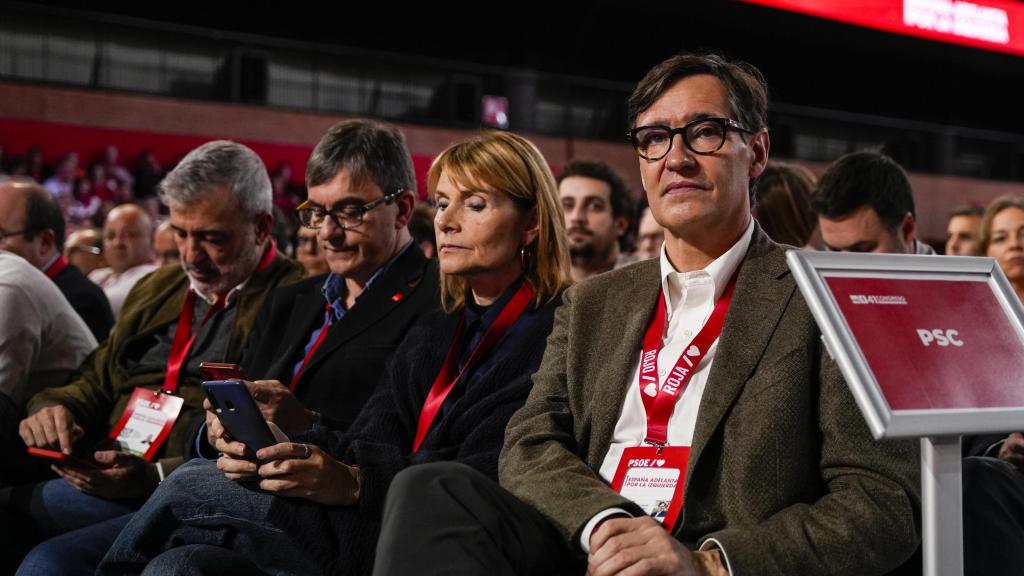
{"points": [[650, 236], [598, 207], [962, 231], [42, 340], [128, 248], [285, 195], [422, 229], [309, 253], [865, 204], [503, 265], [62, 184], [84, 249], [219, 199], [993, 467], [781, 473], [165, 247], [783, 203], [32, 226]]}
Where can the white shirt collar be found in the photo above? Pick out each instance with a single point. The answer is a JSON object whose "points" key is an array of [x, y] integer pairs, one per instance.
{"points": [[674, 283]]}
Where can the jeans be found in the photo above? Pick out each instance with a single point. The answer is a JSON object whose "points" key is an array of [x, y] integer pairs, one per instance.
{"points": [[198, 505], [75, 553], [48, 509]]}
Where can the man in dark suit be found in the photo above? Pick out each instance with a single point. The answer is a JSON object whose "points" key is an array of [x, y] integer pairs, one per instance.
{"points": [[701, 369], [320, 345], [33, 228]]}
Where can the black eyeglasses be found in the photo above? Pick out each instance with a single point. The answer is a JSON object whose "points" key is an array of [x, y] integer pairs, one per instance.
{"points": [[702, 136], [5, 235], [344, 217]]}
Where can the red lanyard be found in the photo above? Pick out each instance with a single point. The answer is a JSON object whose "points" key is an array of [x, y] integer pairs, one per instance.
{"points": [[183, 336], [56, 268], [444, 383], [319, 340], [659, 401]]}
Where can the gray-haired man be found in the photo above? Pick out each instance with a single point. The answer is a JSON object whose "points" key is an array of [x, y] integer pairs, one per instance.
{"points": [[220, 209]]}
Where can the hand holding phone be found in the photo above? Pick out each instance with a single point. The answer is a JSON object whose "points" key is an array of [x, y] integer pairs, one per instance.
{"points": [[238, 413]]}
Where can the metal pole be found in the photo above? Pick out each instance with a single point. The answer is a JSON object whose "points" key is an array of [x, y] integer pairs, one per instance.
{"points": [[941, 506]]}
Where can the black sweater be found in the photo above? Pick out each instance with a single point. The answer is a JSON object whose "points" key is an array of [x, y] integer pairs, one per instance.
{"points": [[343, 539]]}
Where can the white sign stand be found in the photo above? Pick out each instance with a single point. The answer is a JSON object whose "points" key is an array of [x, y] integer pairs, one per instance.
{"points": [[942, 506], [939, 429]]}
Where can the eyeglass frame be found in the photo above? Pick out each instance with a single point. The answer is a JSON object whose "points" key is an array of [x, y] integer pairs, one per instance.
{"points": [[5, 235], [725, 123], [332, 213]]}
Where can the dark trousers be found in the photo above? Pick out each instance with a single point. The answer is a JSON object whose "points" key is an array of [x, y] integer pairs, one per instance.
{"points": [[993, 518], [447, 518]]}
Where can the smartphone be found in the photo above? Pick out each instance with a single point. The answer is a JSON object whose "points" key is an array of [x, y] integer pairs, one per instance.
{"points": [[239, 414], [62, 458], [221, 371]]}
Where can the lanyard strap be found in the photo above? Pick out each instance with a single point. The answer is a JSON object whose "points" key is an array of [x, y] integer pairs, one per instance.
{"points": [[445, 382], [183, 336], [57, 267], [659, 400], [312, 350]]}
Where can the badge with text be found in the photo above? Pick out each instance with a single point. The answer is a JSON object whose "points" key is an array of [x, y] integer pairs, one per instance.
{"points": [[654, 480], [146, 422]]}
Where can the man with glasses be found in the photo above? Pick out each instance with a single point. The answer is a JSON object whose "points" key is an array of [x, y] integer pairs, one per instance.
{"points": [[32, 226], [320, 345], [697, 379]]}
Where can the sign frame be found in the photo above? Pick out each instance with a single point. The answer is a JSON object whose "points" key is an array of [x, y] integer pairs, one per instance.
{"points": [[810, 269]]}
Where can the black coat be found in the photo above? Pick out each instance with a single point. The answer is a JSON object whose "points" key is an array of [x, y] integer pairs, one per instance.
{"points": [[345, 369], [343, 540], [87, 299]]}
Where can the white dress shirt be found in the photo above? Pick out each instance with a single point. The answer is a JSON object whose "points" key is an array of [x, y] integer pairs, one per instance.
{"points": [[689, 301]]}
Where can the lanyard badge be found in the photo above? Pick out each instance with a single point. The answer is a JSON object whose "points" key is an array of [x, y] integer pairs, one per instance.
{"points": [[653, 476]]}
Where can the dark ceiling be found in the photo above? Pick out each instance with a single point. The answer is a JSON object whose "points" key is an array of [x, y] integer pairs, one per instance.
{"points": [[807, 61]]}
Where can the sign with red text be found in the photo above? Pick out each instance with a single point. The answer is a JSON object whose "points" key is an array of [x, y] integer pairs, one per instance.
{"points": [[996, 25]]}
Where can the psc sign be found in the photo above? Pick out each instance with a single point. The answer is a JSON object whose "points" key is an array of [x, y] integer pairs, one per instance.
{"points": [[940, 337]]}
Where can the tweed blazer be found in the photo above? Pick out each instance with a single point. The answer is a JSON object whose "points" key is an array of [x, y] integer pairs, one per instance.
{"points": [[783, 471]]}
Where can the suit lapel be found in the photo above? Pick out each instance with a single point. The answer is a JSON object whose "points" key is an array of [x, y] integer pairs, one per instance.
{"points": [[383, 296], [626, 309], [761, 296], [307, 315]]}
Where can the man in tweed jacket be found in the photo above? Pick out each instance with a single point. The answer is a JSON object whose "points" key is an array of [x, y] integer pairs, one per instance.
{"points": [[783, 476]]}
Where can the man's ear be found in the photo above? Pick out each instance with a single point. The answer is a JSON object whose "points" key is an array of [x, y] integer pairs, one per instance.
{"points": [[47, 242], [405, 203], [621, 226], [908, 231], [264, 225], [760, 143]]}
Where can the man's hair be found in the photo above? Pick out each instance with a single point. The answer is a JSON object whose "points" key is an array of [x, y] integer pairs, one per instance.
{"points": [[997, 206], [972, 211], [865, 179], [621, 199], [510, 164], [366, 149], [746, 87], [220, 163], [744, 84], [41, 210]]}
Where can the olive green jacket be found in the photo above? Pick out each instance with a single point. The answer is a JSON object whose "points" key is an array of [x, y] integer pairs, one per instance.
{"points": [[783, 471], [98, 393]]}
